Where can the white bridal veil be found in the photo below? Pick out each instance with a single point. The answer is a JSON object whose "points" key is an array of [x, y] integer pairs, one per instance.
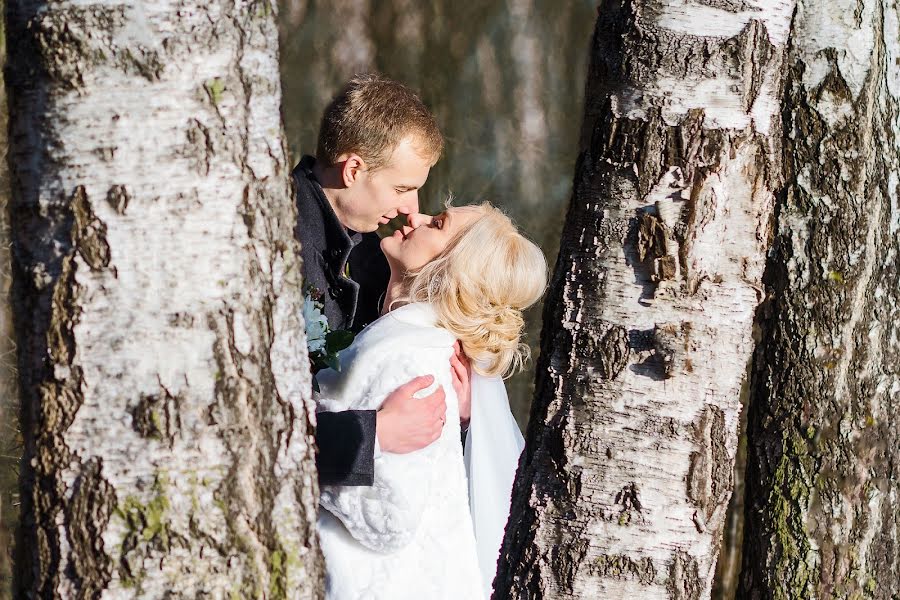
{"points": [[493, 446]]}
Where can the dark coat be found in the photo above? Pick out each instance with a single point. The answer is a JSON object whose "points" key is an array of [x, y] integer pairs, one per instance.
{"points": [[346, 440]]}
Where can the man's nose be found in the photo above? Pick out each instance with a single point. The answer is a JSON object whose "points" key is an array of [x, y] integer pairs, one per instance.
{"points": [[417, 219], [411, 203]]}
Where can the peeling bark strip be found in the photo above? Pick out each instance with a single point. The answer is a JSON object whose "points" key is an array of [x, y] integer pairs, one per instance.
{"points": [[823, 498], [163, 370], [623, 486]]}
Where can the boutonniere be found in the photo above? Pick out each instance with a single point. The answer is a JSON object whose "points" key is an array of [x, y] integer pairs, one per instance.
{"points": [[323, 344]]}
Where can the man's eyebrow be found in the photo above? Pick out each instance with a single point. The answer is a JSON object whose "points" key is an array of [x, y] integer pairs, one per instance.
{"points": [[406, 188]]}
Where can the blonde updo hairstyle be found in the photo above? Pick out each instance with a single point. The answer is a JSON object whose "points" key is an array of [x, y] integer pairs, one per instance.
{"points": [[479, 286]]}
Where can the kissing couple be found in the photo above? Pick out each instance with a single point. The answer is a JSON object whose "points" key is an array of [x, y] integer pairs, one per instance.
{"points": [[406, 509]]}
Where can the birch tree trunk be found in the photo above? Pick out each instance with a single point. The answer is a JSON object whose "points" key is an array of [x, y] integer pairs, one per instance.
{"points": [[163, 369], [626, 475], [823, 503]]}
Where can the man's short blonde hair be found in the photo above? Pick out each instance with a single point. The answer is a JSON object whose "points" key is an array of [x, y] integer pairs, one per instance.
{"points": [[479, 286], [370, 117]]}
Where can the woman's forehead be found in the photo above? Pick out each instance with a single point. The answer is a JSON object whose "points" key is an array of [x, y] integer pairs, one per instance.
{"points": [[463, 210]]}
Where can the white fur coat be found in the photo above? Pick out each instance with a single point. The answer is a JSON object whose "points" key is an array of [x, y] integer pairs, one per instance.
{"points": [[410, 534]]}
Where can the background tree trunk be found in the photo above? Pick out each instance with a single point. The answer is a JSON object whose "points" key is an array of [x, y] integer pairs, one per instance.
{"points": [[823, 503], [163, 369], [647, 326]]}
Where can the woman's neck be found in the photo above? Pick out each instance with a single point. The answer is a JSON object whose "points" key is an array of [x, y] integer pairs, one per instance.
{"points": [[393, 293]]}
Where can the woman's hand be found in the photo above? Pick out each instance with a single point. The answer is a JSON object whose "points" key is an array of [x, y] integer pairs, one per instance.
{"points": [[461, 369]]}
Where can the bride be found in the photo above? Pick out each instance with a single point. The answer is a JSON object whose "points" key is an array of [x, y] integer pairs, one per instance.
{"points": [[432, 524]]}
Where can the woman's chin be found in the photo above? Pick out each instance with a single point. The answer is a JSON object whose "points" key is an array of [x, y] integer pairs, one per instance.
{"points": [[390, 246]]}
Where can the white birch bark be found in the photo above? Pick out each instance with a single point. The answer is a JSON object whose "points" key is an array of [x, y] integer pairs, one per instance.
{"points": [[626, 476], [157, 298], [823, 503]]}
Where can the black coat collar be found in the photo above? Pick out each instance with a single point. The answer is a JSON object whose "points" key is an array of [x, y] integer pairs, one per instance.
{"points": [[325, 247]]}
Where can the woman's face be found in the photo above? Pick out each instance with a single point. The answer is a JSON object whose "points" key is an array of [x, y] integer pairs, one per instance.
{"points": [[411, 248]]}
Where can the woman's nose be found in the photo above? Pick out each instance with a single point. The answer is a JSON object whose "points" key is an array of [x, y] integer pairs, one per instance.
{"points": [[417, 219]]}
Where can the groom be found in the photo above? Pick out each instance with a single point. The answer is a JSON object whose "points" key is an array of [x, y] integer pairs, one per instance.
{"points": [[377, 144]]}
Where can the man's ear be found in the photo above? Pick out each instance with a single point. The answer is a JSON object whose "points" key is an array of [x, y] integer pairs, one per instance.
{"points": [[353, 166]]}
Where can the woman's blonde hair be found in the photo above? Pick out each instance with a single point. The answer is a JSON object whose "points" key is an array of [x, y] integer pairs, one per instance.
{"points": [[479, 286]]}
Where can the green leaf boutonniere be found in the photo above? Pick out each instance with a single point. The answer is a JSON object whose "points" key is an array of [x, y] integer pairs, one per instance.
{"points": [[323, 344]]}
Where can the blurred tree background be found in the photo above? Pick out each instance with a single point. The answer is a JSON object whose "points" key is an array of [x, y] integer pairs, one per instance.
{"points": [[505, 80]]}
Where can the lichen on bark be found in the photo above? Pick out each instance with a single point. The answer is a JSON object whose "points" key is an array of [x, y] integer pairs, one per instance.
{"points": [[822, 502]]}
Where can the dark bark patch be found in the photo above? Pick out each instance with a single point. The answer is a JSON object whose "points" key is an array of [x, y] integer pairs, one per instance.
{"points": [[833, 84], [73, 41], [566, 560], [734, 6], [157, 416], [200, 146], [629, 499], [117, 196], [710, 472], [607, 349], [756, 51], [620, 566], [64, 315], [663, 350], [88, 232], [87, 516], [647, 250], [51, 398], [684, 577], [651, 236]]}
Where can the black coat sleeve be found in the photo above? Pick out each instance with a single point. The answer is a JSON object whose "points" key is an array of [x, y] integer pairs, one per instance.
{"points": [[346, 442]]}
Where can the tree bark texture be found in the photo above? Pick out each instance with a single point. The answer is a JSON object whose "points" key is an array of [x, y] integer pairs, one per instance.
{"points": [[823, 503], [627, 472], [164, 379], [9, 433]]}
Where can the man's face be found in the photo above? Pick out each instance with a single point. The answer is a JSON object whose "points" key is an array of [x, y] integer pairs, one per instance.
{"points": [[376, 197]]}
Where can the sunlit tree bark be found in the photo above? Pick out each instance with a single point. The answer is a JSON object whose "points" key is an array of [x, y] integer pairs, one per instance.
{"points": [[163, 369], [627, 471], [823, 504]]}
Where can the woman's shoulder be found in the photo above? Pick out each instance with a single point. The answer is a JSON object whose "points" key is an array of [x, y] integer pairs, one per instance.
{"points": [[414, 324], [401, 345]]}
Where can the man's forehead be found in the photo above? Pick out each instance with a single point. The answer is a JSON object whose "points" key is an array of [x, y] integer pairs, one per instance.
{"points": [[410, 152]]}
